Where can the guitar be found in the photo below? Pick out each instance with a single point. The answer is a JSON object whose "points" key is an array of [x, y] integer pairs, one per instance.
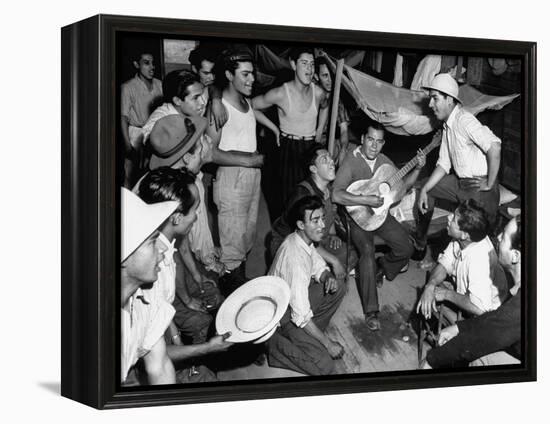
{"points": [[387, 182]]}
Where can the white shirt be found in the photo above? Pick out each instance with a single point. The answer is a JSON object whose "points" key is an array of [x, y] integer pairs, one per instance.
{"points": [[471, 269], [166, 280], [465, 144], [297, 263], [144, 319]]}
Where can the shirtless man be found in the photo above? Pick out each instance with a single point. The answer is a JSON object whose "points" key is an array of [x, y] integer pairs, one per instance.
{"points": [[300, 105]]}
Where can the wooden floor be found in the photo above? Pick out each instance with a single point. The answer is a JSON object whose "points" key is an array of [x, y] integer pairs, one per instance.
{"points": [[393, 348]]}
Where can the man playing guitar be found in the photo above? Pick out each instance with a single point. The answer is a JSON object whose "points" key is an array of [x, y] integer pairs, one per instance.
{"points": [[362, 164]]}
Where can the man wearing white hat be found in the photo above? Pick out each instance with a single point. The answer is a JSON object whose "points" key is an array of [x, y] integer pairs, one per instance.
{"points": [[146, 313], [468, 148], [143, 320]]}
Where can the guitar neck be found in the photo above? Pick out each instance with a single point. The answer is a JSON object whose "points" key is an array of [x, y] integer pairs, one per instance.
{"points": [[413, 162]]}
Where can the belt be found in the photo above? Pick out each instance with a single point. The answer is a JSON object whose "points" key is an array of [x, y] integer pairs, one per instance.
{"points": [[297, 137]]}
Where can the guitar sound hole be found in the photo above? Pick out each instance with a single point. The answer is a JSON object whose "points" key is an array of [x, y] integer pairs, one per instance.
{"points": [[384, 188]]}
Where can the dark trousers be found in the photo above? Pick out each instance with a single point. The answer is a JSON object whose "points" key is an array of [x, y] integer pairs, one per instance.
{"points": [[193, 325], [450, 190], [291, 165], [293, 348], [401, 249]]}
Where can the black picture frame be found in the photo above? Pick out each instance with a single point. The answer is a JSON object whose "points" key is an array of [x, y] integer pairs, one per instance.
{"points": [[90, 214]]}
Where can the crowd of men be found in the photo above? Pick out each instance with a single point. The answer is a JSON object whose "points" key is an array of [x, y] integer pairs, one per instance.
{"points": [[182, 253]]}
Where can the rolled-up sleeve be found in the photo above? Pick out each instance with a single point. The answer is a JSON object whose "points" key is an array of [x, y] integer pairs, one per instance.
{"points": [[447, 259], [480, 285], [125, 100], [319, 265], [480, 135]]}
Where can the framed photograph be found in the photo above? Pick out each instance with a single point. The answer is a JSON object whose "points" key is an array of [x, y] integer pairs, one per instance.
{"points": [[255, 211]]}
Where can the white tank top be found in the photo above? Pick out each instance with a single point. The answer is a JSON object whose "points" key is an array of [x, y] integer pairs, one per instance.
{"points": [[239, 132], [298, 123]]}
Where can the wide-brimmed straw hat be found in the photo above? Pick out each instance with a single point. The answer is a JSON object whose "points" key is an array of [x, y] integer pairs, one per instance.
{"points": [[140, 220], [446, 84], [253, 310], [172, 136]]}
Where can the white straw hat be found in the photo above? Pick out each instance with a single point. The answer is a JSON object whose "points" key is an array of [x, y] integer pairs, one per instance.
{"points": [[254, 309], [446, 84], [140, 220]]}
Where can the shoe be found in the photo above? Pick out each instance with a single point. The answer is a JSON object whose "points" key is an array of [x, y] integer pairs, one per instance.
{"points": [[260, 360], [419, 249], [372, 321]]}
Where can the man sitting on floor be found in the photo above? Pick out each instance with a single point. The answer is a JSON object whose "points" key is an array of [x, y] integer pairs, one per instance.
{"points": [[470, 260], [300, 343], [493, 338]]}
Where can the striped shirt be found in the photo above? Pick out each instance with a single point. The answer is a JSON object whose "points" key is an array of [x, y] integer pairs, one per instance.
{"points": [[298, 263], [465, 144]]}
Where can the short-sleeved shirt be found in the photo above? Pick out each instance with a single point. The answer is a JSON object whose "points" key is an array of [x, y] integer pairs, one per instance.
{"points": [[355, 167], [465, 144], [144, 319], [137, 100], [298, 264], [471, 270]]}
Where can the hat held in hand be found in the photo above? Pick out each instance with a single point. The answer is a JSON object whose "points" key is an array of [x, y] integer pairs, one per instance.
{"points": [[254, 309]]}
